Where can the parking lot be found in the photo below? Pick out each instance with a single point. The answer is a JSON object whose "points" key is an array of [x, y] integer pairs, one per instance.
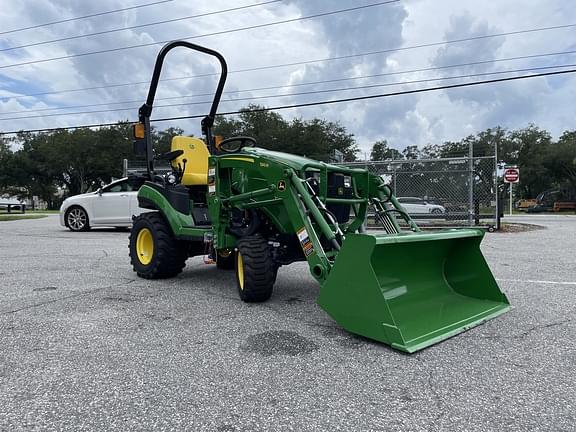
{"points": [[85, 344]]}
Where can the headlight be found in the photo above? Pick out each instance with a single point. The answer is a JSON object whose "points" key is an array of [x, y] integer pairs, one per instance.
{"points": [[171, 178]]}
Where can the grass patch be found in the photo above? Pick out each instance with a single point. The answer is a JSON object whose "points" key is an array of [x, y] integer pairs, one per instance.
{"points": [[4, 217], [42, 211]]}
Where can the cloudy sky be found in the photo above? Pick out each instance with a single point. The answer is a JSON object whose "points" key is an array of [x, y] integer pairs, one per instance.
{"points": [[397, 27]]}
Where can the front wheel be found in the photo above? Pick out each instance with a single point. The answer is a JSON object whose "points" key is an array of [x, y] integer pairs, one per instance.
{"points": [[255, 269], [76, 219], [154, 252]]}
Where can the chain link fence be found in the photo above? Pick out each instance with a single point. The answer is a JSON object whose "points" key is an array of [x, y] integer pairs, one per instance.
{"points": [[449, 192]]}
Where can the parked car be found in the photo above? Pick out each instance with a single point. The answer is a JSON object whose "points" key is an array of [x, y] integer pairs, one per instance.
{"points": [[414, 205], [110, 206], [10, 204]]}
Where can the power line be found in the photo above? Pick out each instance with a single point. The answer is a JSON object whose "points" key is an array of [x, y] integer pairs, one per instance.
{"points": [[297, 93], [84, 16], [235, 30], [258, 68], [377, 96], [308, 104], [138, 26], [475, 63]]}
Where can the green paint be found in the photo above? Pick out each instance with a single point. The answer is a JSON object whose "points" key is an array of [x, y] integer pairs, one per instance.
{"points": [[182, 224], [411, 290]]}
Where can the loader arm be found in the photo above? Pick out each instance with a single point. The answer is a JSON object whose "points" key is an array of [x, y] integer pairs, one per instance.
{"points": [[285, 189]]}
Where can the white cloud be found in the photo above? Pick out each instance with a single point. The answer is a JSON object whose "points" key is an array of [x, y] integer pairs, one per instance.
{"points": [[402, 120]]}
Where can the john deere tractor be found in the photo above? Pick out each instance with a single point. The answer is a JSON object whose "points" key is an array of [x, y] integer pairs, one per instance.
{"points": [[253, 210]]}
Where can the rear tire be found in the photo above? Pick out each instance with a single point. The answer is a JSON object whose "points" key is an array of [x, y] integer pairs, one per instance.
{"points": [[154, 252], [255, 269]]}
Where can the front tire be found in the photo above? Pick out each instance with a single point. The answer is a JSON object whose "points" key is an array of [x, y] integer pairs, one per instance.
{"points": [[154, 252], [255, 269], [76, 219]]}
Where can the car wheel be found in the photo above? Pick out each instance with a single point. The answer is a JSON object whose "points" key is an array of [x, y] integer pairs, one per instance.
{"points": [[436, 211], [76, 219]]}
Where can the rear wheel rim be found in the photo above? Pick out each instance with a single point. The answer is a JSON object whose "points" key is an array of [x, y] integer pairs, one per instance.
{"points": [[144, 246], [77, 219], [240, 271]]}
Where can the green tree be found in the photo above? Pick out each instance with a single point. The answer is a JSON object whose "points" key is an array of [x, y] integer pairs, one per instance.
{"points": [[533, 147], [69, 161], [162, 140], [381, 151], [6, 158], [314, 138], [560, 161], [31, 172], [411, 152]]}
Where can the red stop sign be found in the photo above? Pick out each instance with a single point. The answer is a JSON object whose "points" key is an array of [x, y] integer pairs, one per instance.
{"points": [[511, 175]]}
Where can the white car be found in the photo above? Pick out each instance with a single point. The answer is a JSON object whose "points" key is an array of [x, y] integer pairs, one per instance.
{"points": [[110, 206], [414, 205]]}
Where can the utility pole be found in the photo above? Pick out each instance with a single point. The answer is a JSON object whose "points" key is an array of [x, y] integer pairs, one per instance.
{"points": [[496, 139], [471, 183]]}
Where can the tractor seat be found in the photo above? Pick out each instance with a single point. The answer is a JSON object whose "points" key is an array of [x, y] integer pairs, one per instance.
{"points": [[196, 154]]}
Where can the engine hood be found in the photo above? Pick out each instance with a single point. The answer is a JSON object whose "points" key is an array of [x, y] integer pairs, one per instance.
{"points": [[293, 161]]}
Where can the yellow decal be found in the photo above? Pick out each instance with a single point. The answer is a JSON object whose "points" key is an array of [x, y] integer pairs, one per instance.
{"points": [[244, 159]]}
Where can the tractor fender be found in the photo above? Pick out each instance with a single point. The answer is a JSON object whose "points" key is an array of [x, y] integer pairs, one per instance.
{"points": [[151, 197]]}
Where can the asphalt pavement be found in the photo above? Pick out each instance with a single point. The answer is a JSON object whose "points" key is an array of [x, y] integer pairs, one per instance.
{"points": [[86, 345]]}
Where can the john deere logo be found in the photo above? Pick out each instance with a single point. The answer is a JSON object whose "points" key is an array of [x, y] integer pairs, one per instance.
{"points": [[281, 185]]}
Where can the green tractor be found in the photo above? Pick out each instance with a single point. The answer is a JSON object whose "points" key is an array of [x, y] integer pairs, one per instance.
{"points": [[253, 210]]}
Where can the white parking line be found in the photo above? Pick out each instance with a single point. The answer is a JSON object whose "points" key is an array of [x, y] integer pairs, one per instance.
{"points": [[536, 281]]}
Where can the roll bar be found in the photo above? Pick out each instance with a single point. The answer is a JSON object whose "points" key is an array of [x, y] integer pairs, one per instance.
{"points": [[145, 111]]}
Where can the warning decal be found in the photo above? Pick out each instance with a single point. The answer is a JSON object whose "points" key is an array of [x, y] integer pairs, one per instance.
{"points": [[305, 242]]}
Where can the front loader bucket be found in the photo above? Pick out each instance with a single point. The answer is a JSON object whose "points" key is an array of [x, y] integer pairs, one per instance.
{"points": [[411, 290]]}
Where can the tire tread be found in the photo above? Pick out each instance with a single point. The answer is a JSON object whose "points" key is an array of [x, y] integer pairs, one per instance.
{"points": [[259, 269], [169, 257]]}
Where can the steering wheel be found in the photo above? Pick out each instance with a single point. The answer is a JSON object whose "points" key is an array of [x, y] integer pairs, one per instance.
{"points": [[227, 145]]}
